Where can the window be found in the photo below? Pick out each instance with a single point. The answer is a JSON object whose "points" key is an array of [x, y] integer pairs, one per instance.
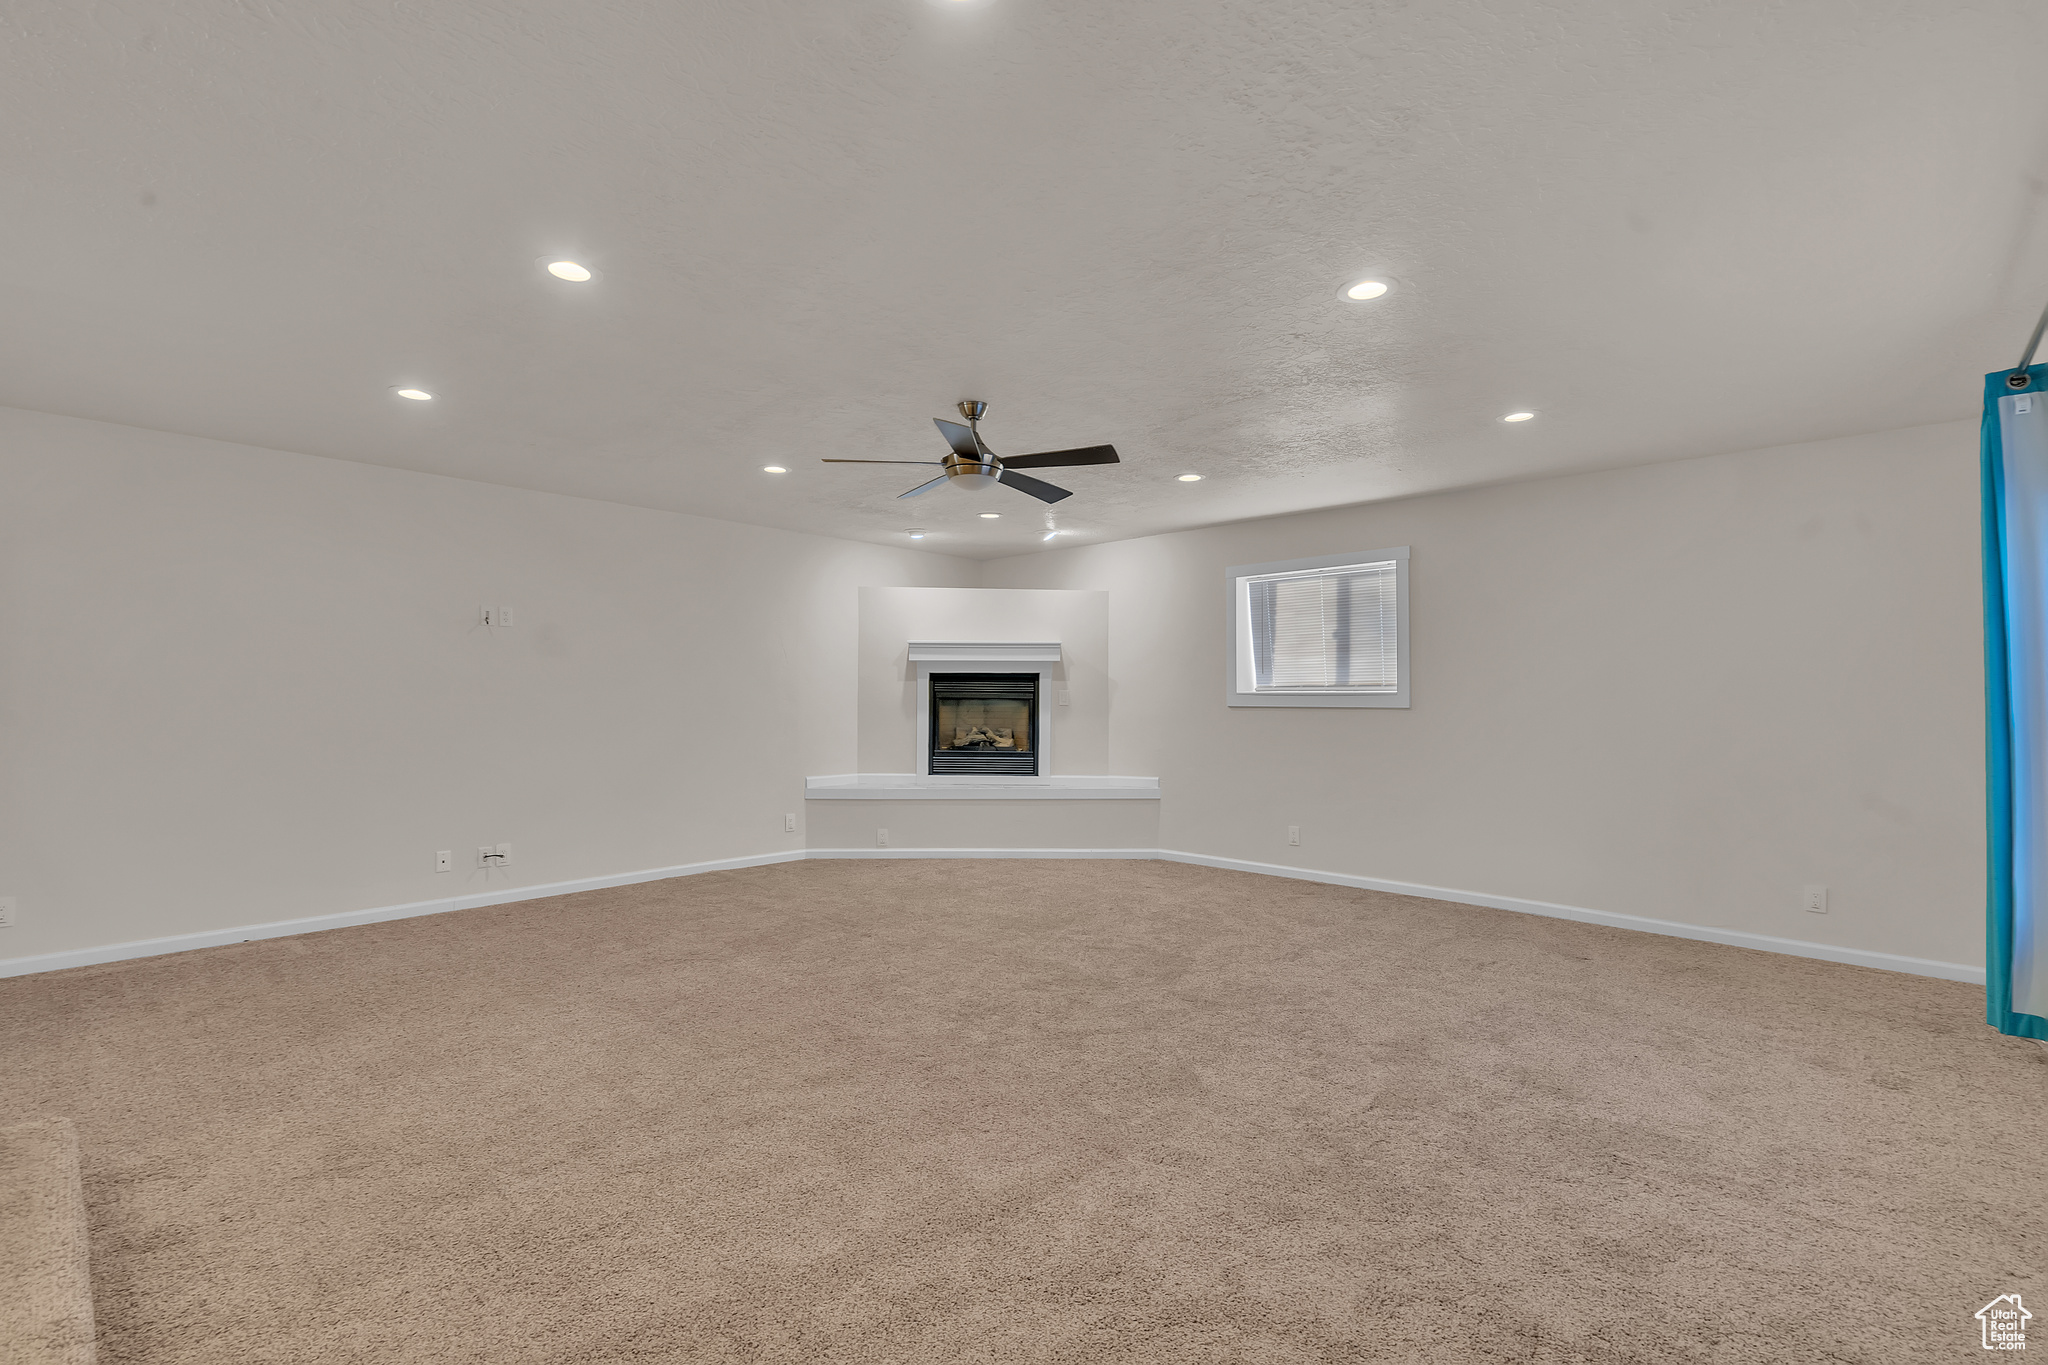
{"points": [[1331, 631]]}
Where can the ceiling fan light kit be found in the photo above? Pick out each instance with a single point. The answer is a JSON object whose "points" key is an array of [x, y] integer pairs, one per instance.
{"points": [[971, 464]]}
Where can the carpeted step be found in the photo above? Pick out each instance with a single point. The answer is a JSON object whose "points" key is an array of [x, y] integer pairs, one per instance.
{"points": [[45, 1290]]}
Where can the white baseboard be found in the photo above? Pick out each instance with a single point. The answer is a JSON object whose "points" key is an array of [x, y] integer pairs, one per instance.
{"points": [[1151, 853], [1737, 938], [85, 957], [213, 938]]}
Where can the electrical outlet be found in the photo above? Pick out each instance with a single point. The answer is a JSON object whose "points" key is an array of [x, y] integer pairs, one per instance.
{"points": [[504, 855], [1816, 900], [504, 616], [1294, 835], [7, 911], [495, 616], [789, 824], [444, 861], [483, 616], [486, 855], [881, 838]]}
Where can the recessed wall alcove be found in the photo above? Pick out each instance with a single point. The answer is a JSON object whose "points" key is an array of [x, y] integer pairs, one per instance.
{"points": [[1058, 638]]}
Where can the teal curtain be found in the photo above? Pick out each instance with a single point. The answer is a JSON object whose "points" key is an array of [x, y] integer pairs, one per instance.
{"points": [[2015, 475]]}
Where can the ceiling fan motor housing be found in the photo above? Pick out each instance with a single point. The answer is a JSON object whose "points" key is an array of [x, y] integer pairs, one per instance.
{"points": [[966, 473]]}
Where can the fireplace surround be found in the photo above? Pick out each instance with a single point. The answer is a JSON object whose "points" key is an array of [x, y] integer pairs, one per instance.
{"points": [[984, 710]]}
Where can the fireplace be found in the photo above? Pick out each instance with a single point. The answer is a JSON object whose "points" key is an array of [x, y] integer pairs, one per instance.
{"points": [[984, 723]]}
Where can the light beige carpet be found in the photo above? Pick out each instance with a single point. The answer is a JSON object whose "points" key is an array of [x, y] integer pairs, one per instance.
{"points": [[1032, 1111], [45, 1287]]}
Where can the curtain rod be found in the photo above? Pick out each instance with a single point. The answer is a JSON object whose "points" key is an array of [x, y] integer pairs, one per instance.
{"points": [[2018, 378]]}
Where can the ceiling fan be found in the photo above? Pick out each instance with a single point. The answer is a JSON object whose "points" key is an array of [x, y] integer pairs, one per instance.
{"points": [[973, 465]]}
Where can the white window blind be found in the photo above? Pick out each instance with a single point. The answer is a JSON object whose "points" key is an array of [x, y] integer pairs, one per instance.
{"points": [[1334, 629]]}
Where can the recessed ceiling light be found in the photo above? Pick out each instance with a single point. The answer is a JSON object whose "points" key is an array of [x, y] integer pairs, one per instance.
{"points": [[773, 469], [1518, 417], [417, 395], [990, 516], [1050, 534], [1191, 478], [566, 270], [917, 534], [1362, 290]]}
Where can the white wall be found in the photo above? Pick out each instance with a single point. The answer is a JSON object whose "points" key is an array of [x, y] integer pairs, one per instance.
{"points": [[913, 825], [1679, 691], [240, 686]]}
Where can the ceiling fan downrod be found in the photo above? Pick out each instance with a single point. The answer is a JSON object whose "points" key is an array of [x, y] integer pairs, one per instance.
{"points": [[972, 409]]}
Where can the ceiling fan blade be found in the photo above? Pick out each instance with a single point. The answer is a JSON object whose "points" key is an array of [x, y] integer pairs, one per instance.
{"points": [[923, 487], [1054, 459], [961, 439], [829, 460], [1044, 492]]}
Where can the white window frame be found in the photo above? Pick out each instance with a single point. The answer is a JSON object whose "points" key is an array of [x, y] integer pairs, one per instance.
{"points": [[1238, 635]]}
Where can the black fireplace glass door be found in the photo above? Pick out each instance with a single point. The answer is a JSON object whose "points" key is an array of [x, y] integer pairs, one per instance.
{"points": [[984, 723]]}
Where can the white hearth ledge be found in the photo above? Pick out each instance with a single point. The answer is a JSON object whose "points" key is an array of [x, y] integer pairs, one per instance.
{"points": [[910, 787]]}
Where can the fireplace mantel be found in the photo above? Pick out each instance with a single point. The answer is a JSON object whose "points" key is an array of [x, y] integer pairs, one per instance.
{"points": [[940, 652], [910, 787]]}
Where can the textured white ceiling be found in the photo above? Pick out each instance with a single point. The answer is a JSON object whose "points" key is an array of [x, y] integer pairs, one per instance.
{"points": [[1671, 228]]}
